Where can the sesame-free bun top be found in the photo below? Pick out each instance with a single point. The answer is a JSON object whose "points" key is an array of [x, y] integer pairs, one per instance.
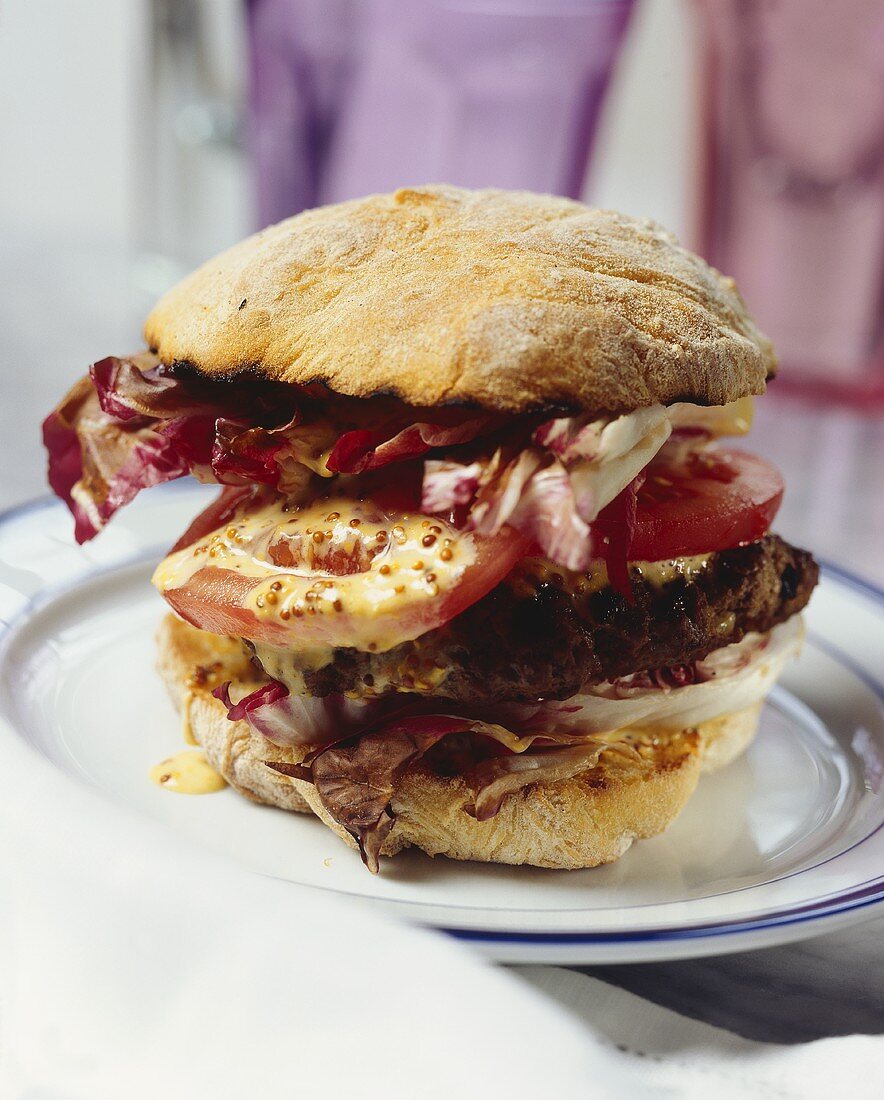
{"points": [[505, 299]]}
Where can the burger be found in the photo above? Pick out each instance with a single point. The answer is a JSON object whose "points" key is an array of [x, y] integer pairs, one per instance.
{"points": [[481, 577]]}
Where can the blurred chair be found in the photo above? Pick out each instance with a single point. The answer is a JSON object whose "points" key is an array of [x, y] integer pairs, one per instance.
{"points": [[792, 202]]}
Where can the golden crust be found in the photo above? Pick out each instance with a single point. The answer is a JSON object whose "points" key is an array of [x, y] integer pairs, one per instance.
{"points": [[191, 663], [505, 299], [585, 821]]}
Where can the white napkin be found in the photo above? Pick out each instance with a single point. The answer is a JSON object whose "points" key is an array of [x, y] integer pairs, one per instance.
{"points": [[136, 966]]}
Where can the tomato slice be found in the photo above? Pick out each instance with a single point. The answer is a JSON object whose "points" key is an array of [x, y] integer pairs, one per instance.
{"points": [[212, 599], [711, 500], [339, 572]]}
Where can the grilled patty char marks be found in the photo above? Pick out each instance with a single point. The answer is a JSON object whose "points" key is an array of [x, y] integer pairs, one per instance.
{"points": [[527, 640]]}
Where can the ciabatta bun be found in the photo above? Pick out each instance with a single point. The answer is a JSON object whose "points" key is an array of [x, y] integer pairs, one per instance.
{"points": [[505, 299], [580, 822]]}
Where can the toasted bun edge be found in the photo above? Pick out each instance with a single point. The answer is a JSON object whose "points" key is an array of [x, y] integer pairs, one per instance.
{"points": [[504, 299]]}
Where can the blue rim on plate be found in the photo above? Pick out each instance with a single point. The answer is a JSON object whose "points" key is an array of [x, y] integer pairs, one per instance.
{"points": [[867, 894], [859, 896]]}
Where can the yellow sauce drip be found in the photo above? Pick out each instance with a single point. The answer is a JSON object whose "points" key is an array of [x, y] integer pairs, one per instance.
{"points": [[187, 772], [186, 727]]}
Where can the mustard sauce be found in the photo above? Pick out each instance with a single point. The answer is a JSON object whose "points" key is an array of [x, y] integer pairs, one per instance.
{"points": [[333, 556], [186, 727], [530, 573], [658, 573], [187, 772]]}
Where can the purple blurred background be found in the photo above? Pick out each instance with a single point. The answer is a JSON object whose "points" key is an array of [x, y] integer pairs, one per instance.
{"points": [[347, 99]]}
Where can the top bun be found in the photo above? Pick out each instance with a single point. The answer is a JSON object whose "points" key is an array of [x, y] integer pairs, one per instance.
{"points": [[504, 299]]}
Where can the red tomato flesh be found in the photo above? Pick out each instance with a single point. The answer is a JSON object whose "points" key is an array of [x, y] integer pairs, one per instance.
{"points": [[713, 500], [214, 598], [211, 600]]}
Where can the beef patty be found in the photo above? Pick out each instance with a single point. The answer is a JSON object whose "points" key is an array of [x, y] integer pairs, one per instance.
{"points": [[538, 634]]}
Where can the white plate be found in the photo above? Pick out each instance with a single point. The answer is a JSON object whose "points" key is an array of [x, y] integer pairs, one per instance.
{"points": [[783, 844]]}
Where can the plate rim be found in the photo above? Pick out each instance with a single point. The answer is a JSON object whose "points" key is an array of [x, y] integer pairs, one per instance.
{"points": [[821, 909], [859, 899]]}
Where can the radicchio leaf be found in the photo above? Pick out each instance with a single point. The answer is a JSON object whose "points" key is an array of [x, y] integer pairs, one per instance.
{"points": [[532, 493], [65, 459], [300, 721], [243, 454], [360, 450], [448, 485], [547, 512], [555, 488], [270, 692], [356, 783], [571, 438], [155, 458], [96, 465], [135, 423], [140, 385], [133, 388], [293, 771]]}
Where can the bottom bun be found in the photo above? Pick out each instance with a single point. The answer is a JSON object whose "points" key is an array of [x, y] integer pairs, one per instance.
{"points": [[584, 821]]}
